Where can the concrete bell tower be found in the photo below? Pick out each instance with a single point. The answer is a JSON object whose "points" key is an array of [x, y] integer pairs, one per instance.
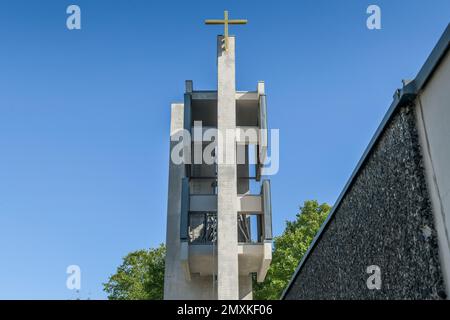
{"points": [[219, 229]]}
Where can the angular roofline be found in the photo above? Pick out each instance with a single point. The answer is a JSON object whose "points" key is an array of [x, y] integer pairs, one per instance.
{"points": [[401, 96]]}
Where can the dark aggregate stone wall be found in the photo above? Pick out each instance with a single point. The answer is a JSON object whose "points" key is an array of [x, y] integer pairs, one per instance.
{"points": [[385, 219]]}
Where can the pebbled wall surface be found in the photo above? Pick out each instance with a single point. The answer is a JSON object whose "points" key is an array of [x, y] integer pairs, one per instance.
{"points": [[385, 219]]}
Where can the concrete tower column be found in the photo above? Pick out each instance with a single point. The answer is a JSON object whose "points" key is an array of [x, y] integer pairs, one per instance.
{"points": [[173, 276], [227, 240]]}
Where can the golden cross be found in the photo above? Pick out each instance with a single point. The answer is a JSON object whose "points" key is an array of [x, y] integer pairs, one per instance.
{"points": [[226, 22]]}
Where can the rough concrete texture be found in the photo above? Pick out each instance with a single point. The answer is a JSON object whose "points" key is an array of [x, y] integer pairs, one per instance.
{"points": [[385, 219]]}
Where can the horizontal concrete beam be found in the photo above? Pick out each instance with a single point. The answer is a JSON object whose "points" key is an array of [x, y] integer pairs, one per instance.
{"points": [[203, 203], [246, 135], [254, 257], [246, 203], [212, 95], [250, 204]]}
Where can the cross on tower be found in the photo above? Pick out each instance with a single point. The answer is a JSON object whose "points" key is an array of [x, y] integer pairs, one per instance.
{"points": [[226, 22]]}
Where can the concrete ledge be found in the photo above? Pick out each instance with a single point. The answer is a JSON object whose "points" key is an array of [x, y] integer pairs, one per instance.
{"points": [[249, 204], [202, 203], [212, 95]]}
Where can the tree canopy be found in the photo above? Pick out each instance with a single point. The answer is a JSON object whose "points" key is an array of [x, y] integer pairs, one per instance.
{"points": [[139, 277]]}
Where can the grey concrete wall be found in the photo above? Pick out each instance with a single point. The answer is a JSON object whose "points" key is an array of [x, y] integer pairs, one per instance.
{"points": [[433, 117], [245, 287], [385, 219], [174, 274]]}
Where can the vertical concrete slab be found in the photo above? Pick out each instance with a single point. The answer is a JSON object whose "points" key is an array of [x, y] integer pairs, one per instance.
{"points": [[433, 117], [246, 287], [173, 269], [228, 269]]}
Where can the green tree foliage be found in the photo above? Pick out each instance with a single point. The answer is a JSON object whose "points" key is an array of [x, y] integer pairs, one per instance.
{"points": [[140, 277], [289, 249]]}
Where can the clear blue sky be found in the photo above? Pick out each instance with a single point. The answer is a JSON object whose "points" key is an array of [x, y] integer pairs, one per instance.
{"points": [[84, 115]]}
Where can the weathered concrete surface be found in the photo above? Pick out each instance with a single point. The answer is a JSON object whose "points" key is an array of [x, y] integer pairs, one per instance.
{"points": [[385, 219], [245, 287], [173, 274], [227, 242], [433, 119]]}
